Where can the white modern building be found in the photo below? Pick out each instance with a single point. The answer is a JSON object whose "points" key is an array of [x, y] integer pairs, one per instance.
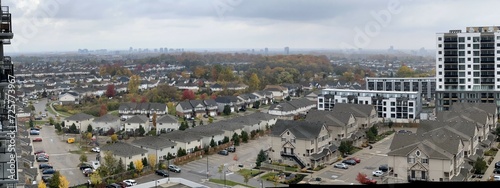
{"points": [[468, 66], [426, 86], [397, 106]]}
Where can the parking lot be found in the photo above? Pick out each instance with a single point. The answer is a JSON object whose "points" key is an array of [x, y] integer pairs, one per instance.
{"points": [[60, 157]]}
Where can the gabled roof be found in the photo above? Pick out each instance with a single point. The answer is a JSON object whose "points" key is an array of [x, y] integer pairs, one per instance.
{"points": [[181, 136], [123, 149], [185, 105], [196, 103], [490, 108], [226, 99], [107, 118], [154, 142], [79, 117], [206, 130], [166, 119], [137, 119], [210, 102], [127, 106], [300, 129], [330, 118]]}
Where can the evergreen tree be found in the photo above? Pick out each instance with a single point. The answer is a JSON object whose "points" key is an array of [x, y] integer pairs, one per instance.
{"points": [[131, 166], [236, 139], [244, 136], [145, 161], [212, 143], [261, 157]]}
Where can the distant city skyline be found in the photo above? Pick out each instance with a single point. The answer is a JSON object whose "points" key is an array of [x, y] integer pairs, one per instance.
{"points": [[64, 25]]}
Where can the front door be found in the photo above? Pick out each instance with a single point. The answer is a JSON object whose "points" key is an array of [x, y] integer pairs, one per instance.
{"points": [[291, 150]]}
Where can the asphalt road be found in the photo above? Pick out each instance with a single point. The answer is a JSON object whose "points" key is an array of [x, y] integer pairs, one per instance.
{"points": [[58, 150]]}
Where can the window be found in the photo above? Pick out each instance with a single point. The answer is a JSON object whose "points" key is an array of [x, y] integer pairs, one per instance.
{"points": [[440, 66], [284, 139], [440, 52], [425, 161], [440, 59], [411, 160], [468, 38], [320, 100], [468, 52], [468, 45], [440, 45], [440, 73], [461, 39], [439, 38]]}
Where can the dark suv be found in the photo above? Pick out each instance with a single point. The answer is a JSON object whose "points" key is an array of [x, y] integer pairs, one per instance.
{"points": [[497, 164]]}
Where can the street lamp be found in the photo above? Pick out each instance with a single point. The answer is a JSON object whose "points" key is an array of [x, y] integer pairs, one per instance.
{"points": [[207, 165]]}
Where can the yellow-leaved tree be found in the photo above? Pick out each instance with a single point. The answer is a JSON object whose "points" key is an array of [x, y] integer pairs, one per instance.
{"points": [[139, 166], [63, 182], [42, 185], [152, 160]]}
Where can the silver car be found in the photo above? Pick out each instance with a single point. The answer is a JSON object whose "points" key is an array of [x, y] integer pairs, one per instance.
{"points": [[341, 166]]}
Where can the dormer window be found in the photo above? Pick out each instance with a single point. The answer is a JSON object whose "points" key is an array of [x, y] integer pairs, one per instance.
{"points": [[287, 133]]}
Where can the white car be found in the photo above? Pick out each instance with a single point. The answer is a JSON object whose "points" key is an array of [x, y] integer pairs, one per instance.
{"points": [[130, 182], [496, 178], [341, 165], [96, 149], [378, 173]]}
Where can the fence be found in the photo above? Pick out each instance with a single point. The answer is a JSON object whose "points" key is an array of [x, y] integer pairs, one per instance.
{"points": [[272, 167]]}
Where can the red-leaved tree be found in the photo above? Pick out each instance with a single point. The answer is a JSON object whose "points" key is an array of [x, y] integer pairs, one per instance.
{"points": [[188, 95], [110, 91], [104, 110], [203, 96]]}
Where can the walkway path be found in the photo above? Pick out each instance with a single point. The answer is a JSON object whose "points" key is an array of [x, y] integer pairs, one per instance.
{"points": [[491, 167]]}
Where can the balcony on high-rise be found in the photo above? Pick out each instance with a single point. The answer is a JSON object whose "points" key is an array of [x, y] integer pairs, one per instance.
{"points": [[6, 25]]}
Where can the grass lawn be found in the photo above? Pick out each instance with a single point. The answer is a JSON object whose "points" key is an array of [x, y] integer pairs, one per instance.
{"points": [[293, 169], [114, 112], [40, 122], [251, 172], [268, 175], [228, 182]]}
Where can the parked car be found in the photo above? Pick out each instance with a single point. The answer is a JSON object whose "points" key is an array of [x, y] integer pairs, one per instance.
{"points": [[174, 168], [39, 151], [496, 170], [377, 173], [349, 162], [340, 165], [383, 168], [42, 155], [44, 166], [96, 149], [87, 172], [38, 139], [231, 149], [130, 182], [49, 171], [358, 160], [46, 179], [34, 132], [497, 164], [84, 166], [42, 159], [163, 173], [224, 152], [496, 178]]}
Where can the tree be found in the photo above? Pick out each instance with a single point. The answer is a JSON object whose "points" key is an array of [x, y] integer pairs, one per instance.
{"points": [[188, 95], [201, 122], [42, 185], [236, 139], [133, 84], [253, 82], [480, 166], [58, 127], [109, 166], [131, 166], [90, 129], [120, 167], [63, 124], [193, 124], [345, 147], [110, 90], [55, 181], [138, 165], [95, 178], [261, 157], [244, 136], [374, 130], [288, 98], [225, 140], [370, 136], [405, 71], [114, 138], [64, 183], [73, 129], [210, 120], [32, 124], [246, 177], [142, 131], [104, 110], [110, 132], [83, 158], [51, 121], [220, 169], [154, 119], [212, 143], [183, 126], [145, 161], [227, 110], [152, 160], [256, 104]]}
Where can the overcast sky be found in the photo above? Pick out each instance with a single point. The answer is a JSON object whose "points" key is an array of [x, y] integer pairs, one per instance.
{"points": [[69, 25]]}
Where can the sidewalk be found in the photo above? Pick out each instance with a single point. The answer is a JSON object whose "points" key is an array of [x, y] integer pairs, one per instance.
{"points": [[491, 167]]}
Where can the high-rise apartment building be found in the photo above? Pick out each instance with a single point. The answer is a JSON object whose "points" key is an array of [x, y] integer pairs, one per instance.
{"points": [[8, 122], [287, 50], [425, 86], [468, 66]]}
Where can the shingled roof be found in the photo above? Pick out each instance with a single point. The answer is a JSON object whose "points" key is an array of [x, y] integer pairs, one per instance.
{"points": [[79, 117], [301, 129], [123, 149], [154, 142], [435, 145], [107, 118], [330, 118]]}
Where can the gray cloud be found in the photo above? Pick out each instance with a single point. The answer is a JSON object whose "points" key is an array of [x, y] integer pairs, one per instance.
{"points": [[118, 24]]}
